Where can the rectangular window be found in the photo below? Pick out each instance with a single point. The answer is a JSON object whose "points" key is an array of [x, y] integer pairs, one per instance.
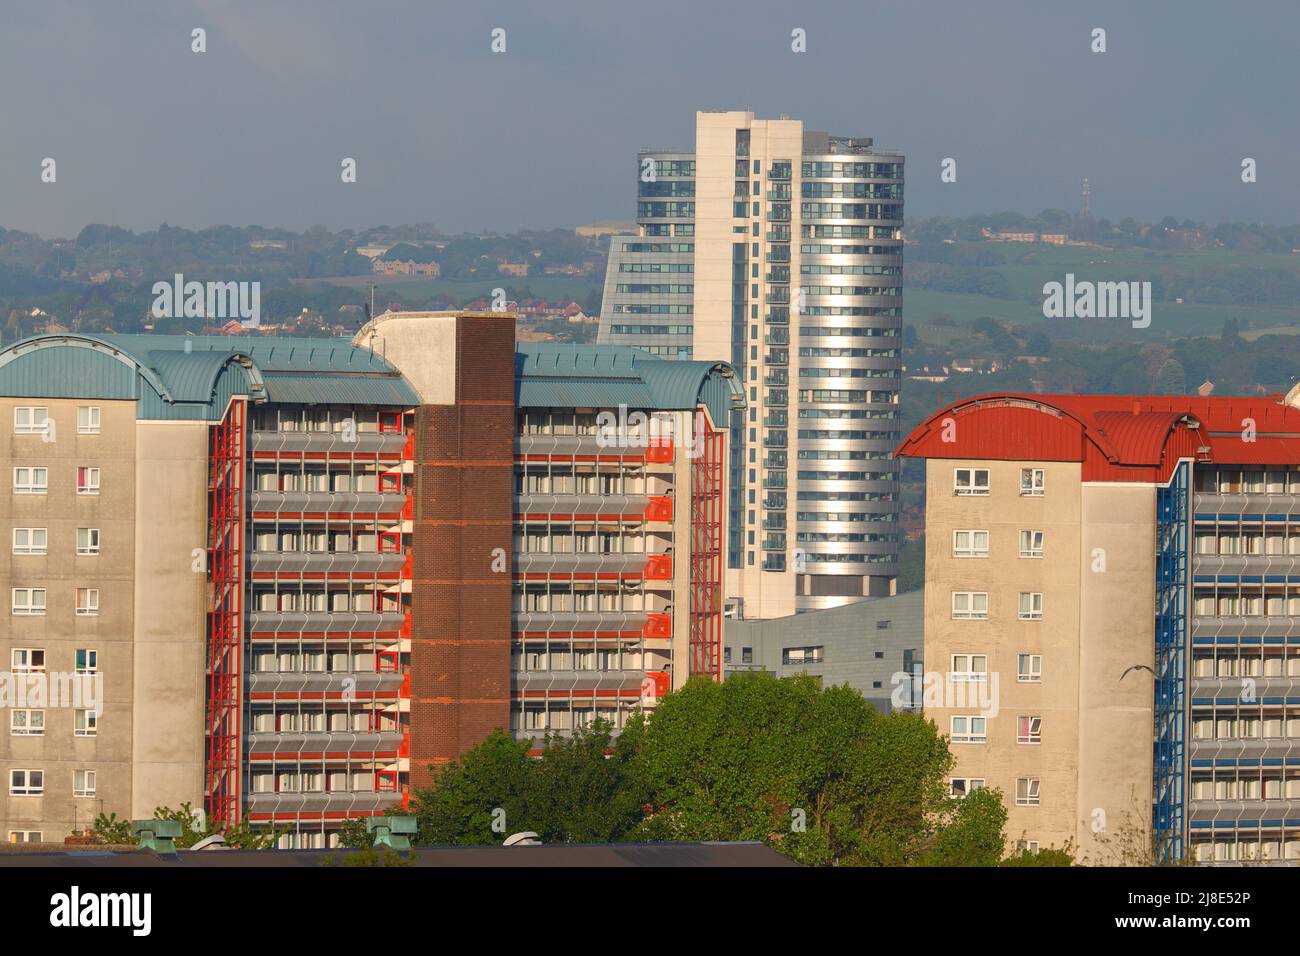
{"points": [[29, 601], [26, 783], [83, 783], [25, 836], [1031, 606], [27, 723], [970, 605], [971, 481], [958, 787], [87, 602], [88, 541], [87, 660], [1027, 791], [30, 540], [87, 480], [1029, 668], [27, 660], [801, 655], [969, 729], [970, 668], [31, 419], [1031, 544], [84, 723], [970, 544], [88, 420], [31, 481], [1032, 481], [1029, 730]]}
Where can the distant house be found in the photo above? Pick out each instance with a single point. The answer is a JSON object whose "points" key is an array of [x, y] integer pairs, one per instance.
{"points": [[1009, 236], [1020, 235], [407, 267]]}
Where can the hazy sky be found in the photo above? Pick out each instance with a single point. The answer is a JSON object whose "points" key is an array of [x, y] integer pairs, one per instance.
{"points": [[253, 131]]}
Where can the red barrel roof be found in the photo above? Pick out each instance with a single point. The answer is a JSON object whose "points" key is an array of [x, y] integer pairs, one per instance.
{"points": [[1115, 437]]}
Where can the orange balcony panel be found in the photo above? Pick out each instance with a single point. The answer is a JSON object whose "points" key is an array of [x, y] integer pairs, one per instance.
{"points": [[659, 567], [662, 682], [660, 508], [408, 509], [408, 566], [408, 450], [660, 451], [406, 628], [658, 625]]}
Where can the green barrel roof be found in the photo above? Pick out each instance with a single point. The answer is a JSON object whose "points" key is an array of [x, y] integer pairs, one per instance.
{"points": [[554, 375], [194, 376]]}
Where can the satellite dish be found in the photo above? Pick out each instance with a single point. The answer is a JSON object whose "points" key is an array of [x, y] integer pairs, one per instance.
{"points": [[523, 838]]}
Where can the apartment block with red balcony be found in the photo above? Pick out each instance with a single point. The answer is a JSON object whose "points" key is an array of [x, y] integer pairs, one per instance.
{"points": [[619, 511], [310, 572]]}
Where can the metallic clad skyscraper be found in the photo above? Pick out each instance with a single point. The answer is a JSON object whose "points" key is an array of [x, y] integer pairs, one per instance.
{"points": [[780, 251]]}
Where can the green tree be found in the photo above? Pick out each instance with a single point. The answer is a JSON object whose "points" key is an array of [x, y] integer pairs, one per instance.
{"points": [[1130, 378], [240, 836], [584, 790], [371, 856], [462, 804], [1038, 344], [816, 773], [973, 835], [109, 829], [353, 834], [1171, 379], [1048, 856]]}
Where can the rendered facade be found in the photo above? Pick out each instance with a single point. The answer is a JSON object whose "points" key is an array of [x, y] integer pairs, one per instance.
{"points": [[1110, 610], [306, 571], [779, 250]]}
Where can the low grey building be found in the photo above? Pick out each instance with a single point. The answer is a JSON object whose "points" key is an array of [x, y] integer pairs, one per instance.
{"points": [[863, 645]]}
